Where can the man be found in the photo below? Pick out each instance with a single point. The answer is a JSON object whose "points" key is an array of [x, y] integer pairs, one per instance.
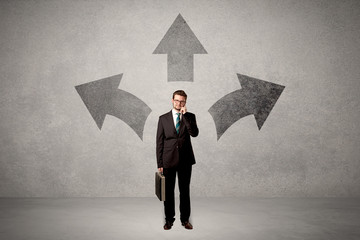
{"points": [[174, 154]]}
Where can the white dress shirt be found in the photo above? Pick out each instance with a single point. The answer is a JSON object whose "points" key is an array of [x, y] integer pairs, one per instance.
{"points": [[174, 113]]}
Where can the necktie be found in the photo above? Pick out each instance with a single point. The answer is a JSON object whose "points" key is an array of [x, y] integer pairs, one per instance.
{"points": [[177, 126]]}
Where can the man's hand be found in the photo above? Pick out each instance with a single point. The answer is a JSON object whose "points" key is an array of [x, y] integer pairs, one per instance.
{"points": [[160, 170], [183, 110]]}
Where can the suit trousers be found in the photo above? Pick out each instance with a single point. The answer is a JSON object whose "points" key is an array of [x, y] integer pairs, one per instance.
{"points": [[184, 176]]}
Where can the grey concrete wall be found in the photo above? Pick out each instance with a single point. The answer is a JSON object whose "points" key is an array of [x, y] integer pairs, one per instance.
{"points": [[50, 146]]}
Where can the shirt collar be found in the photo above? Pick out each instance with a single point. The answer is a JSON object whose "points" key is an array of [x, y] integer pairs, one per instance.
{"points": [[174, 113]]}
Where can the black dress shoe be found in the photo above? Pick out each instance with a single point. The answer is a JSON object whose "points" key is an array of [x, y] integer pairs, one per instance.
{"points": [[168, 225], [187, 225]]}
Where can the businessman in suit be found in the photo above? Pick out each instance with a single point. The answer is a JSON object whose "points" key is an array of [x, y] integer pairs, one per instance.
{"points": [[175, 155]]}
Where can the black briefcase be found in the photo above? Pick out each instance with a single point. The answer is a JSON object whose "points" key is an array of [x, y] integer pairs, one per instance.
{"points": [[160, 186]]}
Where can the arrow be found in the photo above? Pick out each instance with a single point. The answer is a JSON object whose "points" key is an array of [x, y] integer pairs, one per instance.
{"points": [[180, 43], [256, 97], [103, 97]]}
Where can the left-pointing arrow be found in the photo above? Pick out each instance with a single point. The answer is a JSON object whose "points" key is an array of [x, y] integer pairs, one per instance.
{"points": [[103, 97]]}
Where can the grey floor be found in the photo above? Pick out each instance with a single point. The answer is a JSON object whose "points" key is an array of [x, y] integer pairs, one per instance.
{"points": [[213, 218]]}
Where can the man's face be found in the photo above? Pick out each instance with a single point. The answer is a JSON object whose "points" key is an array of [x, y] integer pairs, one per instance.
{"points": [[178, 102]]}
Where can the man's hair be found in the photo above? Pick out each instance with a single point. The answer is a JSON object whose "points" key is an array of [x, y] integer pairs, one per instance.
{"points": [[181, 93]]}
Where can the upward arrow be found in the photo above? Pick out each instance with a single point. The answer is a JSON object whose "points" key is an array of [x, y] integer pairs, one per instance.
{"points": [[180, 43], [256, 97], [103, 97]]}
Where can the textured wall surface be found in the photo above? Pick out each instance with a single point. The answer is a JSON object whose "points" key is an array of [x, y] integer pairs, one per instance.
{"points": [[50, 146]]}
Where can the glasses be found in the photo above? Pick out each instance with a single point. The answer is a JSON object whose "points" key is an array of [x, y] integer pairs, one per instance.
{"points": [[178, 101]]}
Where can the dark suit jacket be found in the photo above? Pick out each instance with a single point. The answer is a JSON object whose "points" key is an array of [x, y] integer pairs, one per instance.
{"points": [[173, 149]]}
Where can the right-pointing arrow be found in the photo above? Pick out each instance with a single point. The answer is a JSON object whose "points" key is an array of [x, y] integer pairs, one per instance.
{"points": [[256, 97], [180, 43]]}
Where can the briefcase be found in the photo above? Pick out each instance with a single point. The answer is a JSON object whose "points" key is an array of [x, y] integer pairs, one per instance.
{"points": [[160, 186]]}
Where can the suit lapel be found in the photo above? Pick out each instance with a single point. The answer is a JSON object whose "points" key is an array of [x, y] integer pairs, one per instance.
{"points": [[182, 126], [170, 120]]}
